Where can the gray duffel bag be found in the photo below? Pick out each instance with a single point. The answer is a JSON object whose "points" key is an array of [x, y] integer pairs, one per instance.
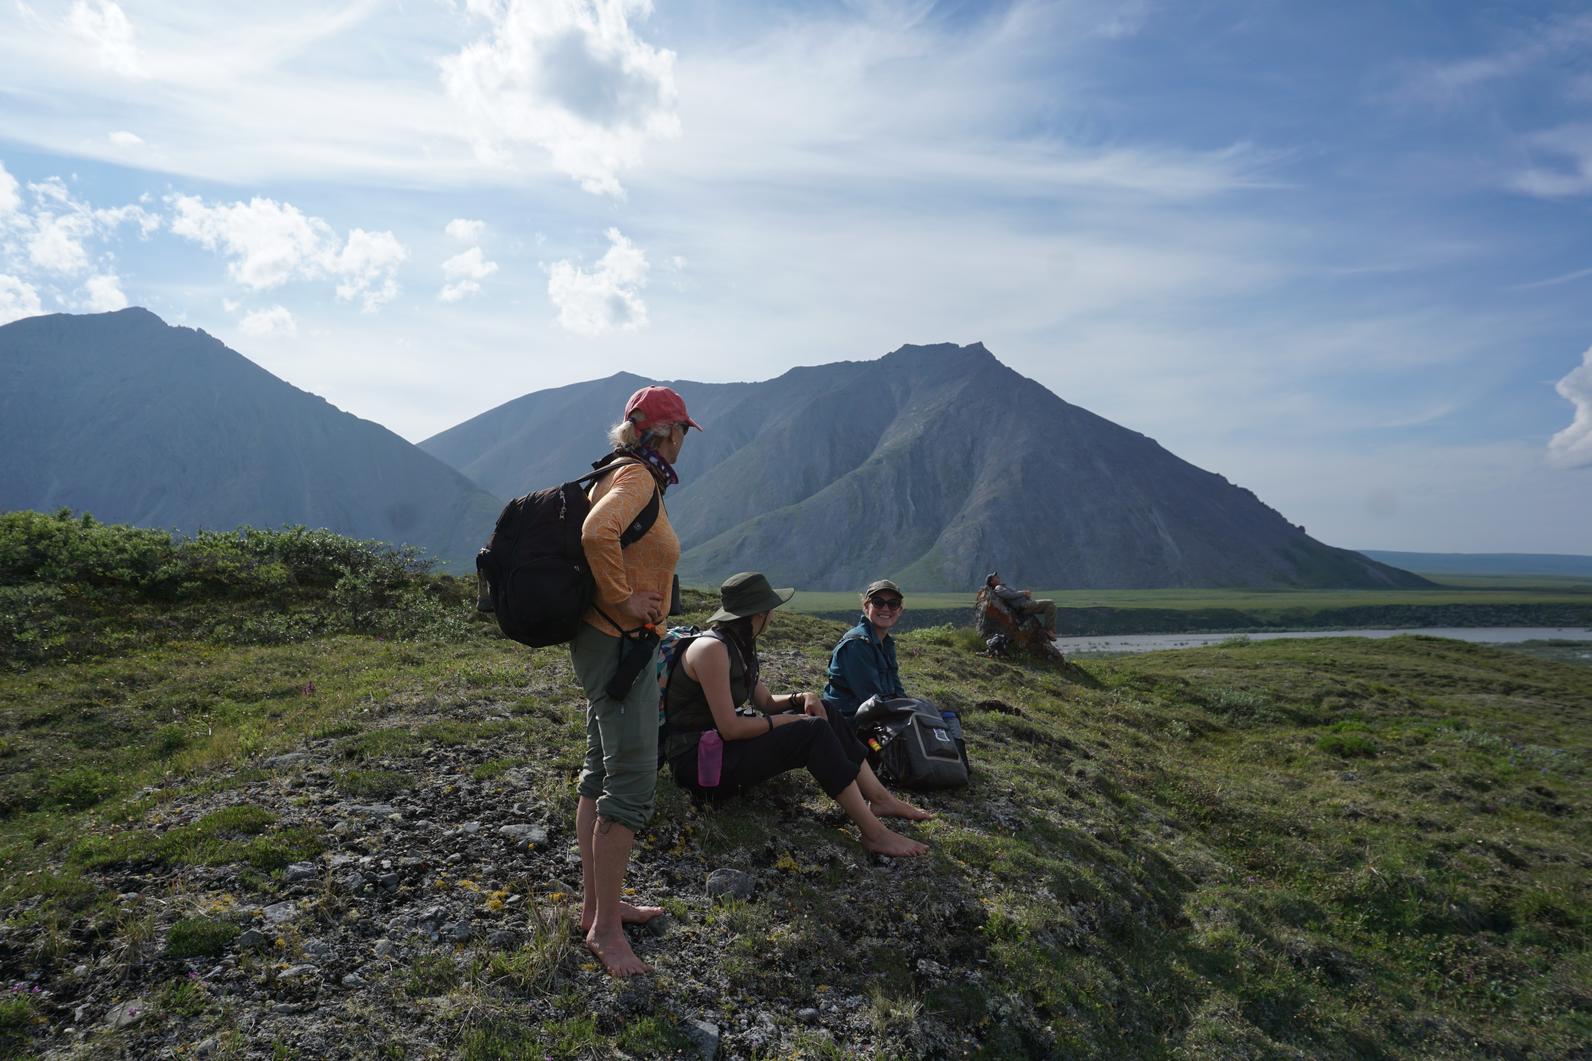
{"points": [[910, 744]]}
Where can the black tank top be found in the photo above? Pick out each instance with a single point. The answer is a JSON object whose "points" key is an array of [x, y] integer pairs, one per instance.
{"points": [[689, 713]]}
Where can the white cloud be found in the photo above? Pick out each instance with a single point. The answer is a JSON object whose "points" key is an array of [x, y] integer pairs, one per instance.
{"points": [[605, 299], [277, 320], [56, 243], [1573, 177], [463, 228], [123, 138], [271, 243], [106, 26], [103, 293], [1551, 38], [10, 193], [18, 299], [464, 272], [1572, 447], [570, 77], [368, 265]]}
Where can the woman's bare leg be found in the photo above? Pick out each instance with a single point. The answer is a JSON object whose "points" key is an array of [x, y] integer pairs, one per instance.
{"points": [[610, 848], [585, 826], [875, 836], [882, 802]]}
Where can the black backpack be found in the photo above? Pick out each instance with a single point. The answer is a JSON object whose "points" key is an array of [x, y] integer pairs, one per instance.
{"points": [[911, 744], [533, 566]]}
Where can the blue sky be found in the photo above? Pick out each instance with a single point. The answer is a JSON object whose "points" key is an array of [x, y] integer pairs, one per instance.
{"points": [[1341, 254]]}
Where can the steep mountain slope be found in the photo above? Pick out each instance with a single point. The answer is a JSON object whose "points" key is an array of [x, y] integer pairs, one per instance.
{"points": [[138, 422], [932, 464]]}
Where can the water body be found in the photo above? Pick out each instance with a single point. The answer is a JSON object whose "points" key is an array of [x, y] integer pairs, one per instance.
{"points": [[1115, 644]]}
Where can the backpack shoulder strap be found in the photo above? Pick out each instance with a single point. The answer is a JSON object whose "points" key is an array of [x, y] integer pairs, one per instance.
{"points": [[648, 515]]}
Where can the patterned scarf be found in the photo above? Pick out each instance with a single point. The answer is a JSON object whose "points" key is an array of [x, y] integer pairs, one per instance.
{"points": [[660, 467]]}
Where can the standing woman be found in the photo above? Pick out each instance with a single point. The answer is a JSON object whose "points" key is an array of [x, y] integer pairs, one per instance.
{"points": [[620, 775], [716, 752]]}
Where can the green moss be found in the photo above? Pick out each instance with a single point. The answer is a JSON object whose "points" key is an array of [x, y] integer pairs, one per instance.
{"points": [[199, 937]]}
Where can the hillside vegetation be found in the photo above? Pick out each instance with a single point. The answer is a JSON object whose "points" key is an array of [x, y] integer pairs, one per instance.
{"points": [[278, 795], [1469, 601]]}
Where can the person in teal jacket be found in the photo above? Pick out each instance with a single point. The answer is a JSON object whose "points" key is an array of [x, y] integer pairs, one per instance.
{"points": [[864, 662]]}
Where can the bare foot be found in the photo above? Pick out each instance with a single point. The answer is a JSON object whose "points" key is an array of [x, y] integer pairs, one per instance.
{"points": [[895, 807], [628, 915], [894, 845], [615, 954]]}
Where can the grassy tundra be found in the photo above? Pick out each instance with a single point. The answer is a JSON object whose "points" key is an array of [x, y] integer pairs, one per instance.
{"points": [[1306, 848]]}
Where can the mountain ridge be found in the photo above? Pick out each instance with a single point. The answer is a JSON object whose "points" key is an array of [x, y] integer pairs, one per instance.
{"points": [[138, 421], [931, 464]]}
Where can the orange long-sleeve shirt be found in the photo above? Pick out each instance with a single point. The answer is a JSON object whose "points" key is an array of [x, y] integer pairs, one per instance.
{"points": [[647, 564]]}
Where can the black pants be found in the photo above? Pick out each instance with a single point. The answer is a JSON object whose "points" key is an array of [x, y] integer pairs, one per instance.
{"points": [[829, 750]]}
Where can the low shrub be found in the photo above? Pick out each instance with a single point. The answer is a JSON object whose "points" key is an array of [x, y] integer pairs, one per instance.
{"points": [[80, 787]]}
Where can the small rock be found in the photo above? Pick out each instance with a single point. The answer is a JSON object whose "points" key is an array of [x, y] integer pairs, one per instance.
{"points": [[81, 970], [352, 881], [373, 810], [732, 882], [343, 830], [385, 948], [659, 926], [353, 980], [524, 834], [299, 972], [470, 828], [129, 1012], [300, 871], [80, 1014], [207, 1047], [388, 882], [277, 913], [703, 1036], [276, 762], [252, 939], [459, 931], [809, 1015], [1349, 775]]}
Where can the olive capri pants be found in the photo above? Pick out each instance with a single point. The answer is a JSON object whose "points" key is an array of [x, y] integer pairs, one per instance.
{"points": [[621, 770]]}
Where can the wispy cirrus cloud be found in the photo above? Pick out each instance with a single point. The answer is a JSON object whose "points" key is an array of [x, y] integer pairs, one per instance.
{"points": [[1569, 174], [1545, 40]]}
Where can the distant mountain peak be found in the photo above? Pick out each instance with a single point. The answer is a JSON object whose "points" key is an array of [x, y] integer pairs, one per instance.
{"points": [[933, 464]]}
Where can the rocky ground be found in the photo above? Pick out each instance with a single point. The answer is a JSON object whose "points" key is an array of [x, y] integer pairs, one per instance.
{"points": [[438, 916]]}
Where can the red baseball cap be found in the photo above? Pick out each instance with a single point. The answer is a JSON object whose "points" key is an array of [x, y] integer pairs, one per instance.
{"points": [[658, 405]]}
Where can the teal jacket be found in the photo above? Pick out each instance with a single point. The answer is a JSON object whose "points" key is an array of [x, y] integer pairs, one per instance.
{"points": [[861, 666]]}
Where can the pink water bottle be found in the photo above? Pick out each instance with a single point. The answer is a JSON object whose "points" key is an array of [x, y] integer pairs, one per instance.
{"points": [[710, 759]]}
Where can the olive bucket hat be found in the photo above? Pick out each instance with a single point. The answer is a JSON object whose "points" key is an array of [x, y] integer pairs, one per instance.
{"points": [[747, 594]]}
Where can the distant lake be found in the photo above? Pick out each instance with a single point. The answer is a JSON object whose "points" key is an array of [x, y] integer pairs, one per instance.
{"points": [[1492, 635]]}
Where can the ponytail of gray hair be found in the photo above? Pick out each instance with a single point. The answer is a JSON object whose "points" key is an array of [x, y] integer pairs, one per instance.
{"points": [[627, 433]]}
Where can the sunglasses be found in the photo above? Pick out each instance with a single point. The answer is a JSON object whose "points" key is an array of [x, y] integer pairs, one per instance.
{"points": [[885, 602], [685, 429]]}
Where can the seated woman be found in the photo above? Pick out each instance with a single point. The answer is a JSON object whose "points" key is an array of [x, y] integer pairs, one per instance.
{"points": [[864, 662], [718, 673]]}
